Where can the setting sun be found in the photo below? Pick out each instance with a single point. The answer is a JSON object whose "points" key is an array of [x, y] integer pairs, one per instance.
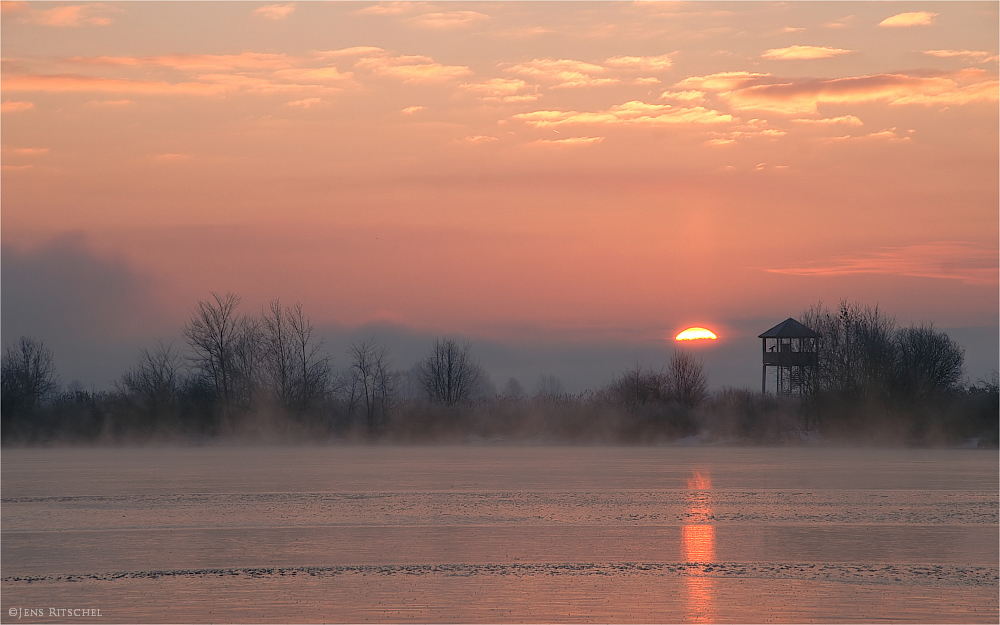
{"points": [[694, 334]]}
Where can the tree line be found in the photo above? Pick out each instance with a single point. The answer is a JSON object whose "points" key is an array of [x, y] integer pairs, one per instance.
{"points": [[244, 374]]}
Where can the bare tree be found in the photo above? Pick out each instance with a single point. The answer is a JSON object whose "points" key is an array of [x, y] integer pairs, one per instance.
{"points": [[449, 374], [685, 379], [248, 361], [928, 363], [311, 368], [549, 387], [639, 386], [155, 379], [27, 377], [227, 350], [513, 389], [857, 349], [371, 385], [279, 353]]}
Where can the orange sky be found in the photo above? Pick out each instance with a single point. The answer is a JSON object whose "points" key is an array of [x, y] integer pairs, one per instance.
{"points": [[606, 170]]}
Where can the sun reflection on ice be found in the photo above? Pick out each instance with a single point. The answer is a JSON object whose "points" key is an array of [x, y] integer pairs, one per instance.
{"points": [[698, 547]]}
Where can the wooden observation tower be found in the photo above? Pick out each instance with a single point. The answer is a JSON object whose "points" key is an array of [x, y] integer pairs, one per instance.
{"points": [[792, 350]]}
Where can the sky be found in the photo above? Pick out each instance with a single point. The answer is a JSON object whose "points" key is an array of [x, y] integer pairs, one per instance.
{"points": [[566, 185]]}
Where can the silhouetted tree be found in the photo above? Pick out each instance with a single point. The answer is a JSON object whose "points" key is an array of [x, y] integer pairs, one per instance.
{"points": [[297, 374], [279, 353], [928, 363], [513, 389], [549, 387], [857, 350], [27, 377], [449, 374], [638, 387], [155, 380], [685, 379], [227, 351], [311, 368], [370, 383]]}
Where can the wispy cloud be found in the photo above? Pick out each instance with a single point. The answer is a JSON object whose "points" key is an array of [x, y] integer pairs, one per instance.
{"points": [[411, 69], [502, 90], [26, 151], [803, 97], [15, 106], [274, 11], [751, 129], [564, 72], [387, 8], [306, 103], [569, 141], [193, 62], [629, 113], [722, 81], [64, 16], [71, 83], [913, 18], [684, 96], [111, 103], [947, 260], [643, 63], [803, 53], [354, 51], [13, 7], [843, 120], [328, 74], [448, 19], [975, 55]]}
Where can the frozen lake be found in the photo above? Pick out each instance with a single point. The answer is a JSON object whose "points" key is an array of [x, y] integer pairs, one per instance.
{"points": [[498, 533]]}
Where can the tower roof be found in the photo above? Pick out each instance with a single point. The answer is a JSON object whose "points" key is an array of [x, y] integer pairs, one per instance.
{"points": [[789, 329]]}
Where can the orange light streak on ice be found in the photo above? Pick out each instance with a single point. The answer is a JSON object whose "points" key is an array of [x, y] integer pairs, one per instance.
{"points": [[698, 546]]}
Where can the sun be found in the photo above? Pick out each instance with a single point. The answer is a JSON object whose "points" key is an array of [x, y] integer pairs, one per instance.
{"points": [[696, 334]]}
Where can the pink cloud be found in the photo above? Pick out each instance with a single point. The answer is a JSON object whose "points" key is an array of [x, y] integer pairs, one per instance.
{"points": [[946, 260], [643, 63], [629, 113], [274, 11], [843, 120], [68, 16], [803, 53], [804, 97], [306, 103], [978, 55], [914, 18], [195, 62], [722, 81], [569, 141], [502, 90], [563, 72], [411, 69], [13, 106], [448, 19], [26, 151], [387, 8], [71, 83]]}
